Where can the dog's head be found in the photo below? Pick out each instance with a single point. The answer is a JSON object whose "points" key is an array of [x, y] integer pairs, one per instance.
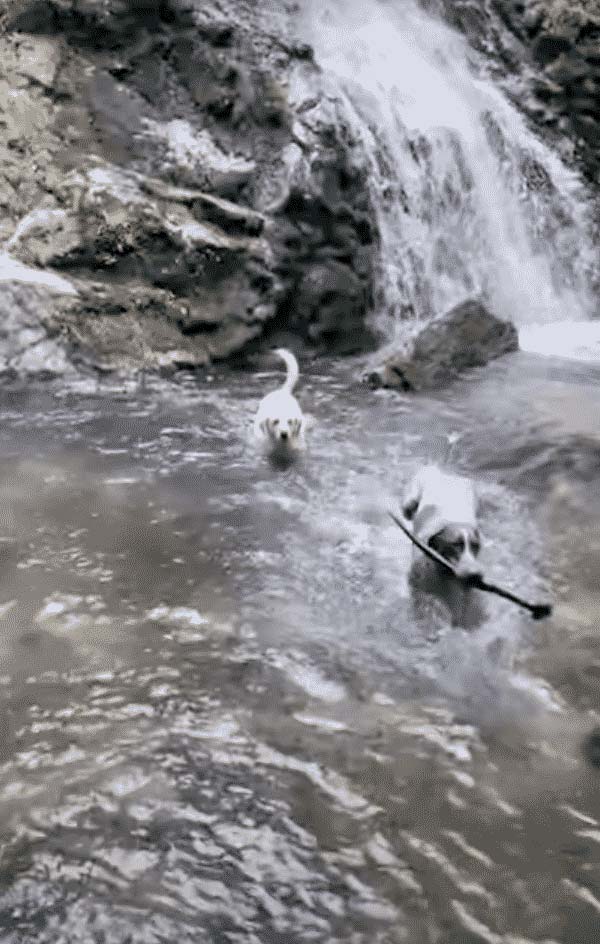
{"points": [[460, 546], [284, 430]]}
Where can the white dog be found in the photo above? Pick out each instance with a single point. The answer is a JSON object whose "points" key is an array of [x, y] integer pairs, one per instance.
{"points": [[279, 422], [443, 511]]}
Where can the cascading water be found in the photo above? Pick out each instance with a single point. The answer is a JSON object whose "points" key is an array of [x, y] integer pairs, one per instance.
{"points": [[469, 201]]}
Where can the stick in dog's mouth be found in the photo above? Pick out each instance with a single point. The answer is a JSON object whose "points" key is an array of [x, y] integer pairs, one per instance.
{"points": [[537, 610]]}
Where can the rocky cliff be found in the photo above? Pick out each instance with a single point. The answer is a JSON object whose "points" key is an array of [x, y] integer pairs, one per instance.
{"points": [[563, 37], [181, 170], [553, 46]]}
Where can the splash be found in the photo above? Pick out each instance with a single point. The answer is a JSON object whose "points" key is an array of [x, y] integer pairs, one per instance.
{"points": [[469, 201], [573, 340]]}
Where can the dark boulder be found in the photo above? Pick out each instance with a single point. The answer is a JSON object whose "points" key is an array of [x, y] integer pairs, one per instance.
{"points": [[467, 336], [548, 46]]}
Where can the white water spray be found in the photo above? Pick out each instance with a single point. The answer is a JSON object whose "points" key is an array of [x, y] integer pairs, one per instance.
{"points": [[469, 201]]}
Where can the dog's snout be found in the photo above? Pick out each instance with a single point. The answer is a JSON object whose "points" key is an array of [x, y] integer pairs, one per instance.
{"points": [[284, 434], [469, 570]]}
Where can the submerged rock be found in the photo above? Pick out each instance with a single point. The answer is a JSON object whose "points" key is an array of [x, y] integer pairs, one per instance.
{"points": [[186, 171], [467, 336]]}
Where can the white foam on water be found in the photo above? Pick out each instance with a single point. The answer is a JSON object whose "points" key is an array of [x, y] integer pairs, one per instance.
{"points": [[574, 340]]}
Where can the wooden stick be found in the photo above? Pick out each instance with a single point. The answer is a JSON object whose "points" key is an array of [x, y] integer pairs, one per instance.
{"points": [[537, 610]]}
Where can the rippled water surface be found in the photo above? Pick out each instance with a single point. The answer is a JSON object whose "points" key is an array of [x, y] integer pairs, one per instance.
{"points": [[227, 717]]}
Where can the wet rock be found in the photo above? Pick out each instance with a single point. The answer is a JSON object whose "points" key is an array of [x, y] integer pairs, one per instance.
{"points": [[467, 336], [567, 70], [213, 288], [37, 17], [109, 218], [549, 91], [192, 157], [563, 37], [187, 171], [330, 295], [231, 216], [549, 46], [590, 51], [591, 747], [322, 228], [31, 341], [38, 60], [587, 106], [587, 127]]}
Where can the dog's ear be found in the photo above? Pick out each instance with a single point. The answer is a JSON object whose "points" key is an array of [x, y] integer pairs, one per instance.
{"points": [[446, 543], [438, 543], [264, 427], [412, 497], [409, 508]]}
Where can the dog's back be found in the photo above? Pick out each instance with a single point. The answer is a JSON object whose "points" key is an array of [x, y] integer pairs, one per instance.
{"points": [[435, 498], [443, 510]]}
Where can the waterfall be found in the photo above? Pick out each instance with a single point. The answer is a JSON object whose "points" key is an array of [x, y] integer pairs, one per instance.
{"points": [[469, 201]]}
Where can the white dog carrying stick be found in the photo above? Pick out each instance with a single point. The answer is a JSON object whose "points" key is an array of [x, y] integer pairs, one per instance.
{"points": [[537, 610]]}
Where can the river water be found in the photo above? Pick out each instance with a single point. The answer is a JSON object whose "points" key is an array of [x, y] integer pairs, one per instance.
{"points": [[227, 717]]}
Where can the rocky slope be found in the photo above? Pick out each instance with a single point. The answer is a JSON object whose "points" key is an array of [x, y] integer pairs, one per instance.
{"points": [[563, 37], [180, 168], [553, 46]]}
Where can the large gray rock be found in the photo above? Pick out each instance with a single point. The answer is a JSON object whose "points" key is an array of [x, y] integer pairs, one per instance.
{"points": [[467, 336]]}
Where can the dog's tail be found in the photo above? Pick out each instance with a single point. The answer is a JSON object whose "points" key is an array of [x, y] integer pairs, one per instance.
{"points": [[293, 371], [452, 440]]}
